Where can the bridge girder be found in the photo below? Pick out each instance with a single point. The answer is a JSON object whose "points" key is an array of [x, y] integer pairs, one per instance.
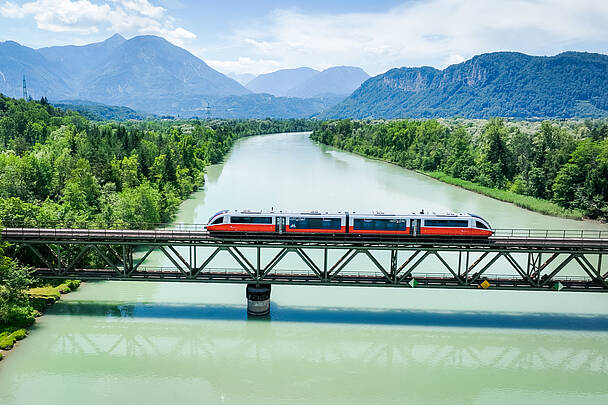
{"points": [[63, 258]]}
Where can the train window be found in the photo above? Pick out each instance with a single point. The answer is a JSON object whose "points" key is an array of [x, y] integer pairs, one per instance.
{"points": [[315, 223], [447, 223], [251, 220], [380, 224], [480, 225], [220, 220]]}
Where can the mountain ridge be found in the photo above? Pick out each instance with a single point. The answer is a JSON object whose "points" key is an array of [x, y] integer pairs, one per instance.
{"points": [[113, 71], [148, 73], [305, 82], [338, 80], [509, 84], [279, 82]]}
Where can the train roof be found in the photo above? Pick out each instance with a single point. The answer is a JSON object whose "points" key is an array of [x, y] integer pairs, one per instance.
{"points": [[373, 213]]}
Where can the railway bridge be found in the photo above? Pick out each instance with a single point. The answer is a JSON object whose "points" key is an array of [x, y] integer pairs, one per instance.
{"points": [[516, 259]]}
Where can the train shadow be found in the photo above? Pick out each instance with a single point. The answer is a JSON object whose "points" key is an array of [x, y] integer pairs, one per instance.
{"points": [[355, 316]]}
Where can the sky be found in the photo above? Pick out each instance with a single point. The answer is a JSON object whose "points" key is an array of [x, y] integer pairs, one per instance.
{"points": [[261, 36]]}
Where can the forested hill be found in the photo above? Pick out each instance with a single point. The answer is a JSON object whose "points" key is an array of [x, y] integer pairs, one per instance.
{"points": [[506, 84], [58, 167]]}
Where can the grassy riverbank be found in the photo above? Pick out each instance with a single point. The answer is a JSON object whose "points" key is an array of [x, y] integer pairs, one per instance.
{"points": [[523, 201], [40, 298]]}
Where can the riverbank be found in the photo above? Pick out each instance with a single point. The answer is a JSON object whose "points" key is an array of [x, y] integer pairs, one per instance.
{"points": [[523, 201], [530, 203], [41, 298], [552, 170]]}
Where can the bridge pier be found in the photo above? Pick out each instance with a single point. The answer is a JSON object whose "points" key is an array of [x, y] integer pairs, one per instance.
{"points": [[258, 299]]}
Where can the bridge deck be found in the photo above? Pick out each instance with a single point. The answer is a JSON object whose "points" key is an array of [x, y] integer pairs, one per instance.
{"points": [[537, 260], [120, 236]]}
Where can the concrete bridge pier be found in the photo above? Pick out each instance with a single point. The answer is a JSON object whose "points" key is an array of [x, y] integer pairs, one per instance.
{"points": [[258, 299]]}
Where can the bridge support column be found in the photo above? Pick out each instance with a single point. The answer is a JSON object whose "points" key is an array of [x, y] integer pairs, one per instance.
{"points": [[258, 299]]}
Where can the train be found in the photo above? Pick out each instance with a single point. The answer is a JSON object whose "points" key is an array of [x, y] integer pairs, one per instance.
{"points": [[232, 222]]}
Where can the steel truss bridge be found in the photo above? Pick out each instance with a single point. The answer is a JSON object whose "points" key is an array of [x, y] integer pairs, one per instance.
{"points": [[511, 259]]}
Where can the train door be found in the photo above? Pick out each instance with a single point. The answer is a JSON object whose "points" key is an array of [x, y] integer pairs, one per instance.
{"points": [[415, 226], [280, 225]]}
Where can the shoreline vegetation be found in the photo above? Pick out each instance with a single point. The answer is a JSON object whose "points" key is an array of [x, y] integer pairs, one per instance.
{"points": [[59, 169], [523, 201], [554, 168], [41, 298], [530, 203]]}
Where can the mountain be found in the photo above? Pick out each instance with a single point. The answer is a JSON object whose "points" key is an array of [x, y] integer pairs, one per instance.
{"points": [[42, 76], [339, 80], [279, 83], [242, 78], [138, 73], [76, 62], [150, 67], [508, 84]]}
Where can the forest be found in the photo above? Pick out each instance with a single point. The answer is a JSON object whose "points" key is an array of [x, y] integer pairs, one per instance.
{"points": [[59, 169], [564, 164]]}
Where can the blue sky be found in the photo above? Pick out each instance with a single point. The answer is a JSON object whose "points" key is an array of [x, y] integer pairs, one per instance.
{"points": [[259, 36]]}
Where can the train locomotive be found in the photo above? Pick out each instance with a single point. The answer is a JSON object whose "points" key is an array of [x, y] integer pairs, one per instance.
{"points": [[344, 223]]}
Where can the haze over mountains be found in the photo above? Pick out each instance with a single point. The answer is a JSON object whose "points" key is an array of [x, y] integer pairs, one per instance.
{"points": [[149, 74], [306, 82], [279, 83]]}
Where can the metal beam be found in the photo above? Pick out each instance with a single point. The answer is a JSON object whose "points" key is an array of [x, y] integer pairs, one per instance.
{"points": [[74, 246], [175, 263]]}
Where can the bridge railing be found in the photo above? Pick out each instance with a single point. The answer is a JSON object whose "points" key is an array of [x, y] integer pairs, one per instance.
{"points": [[104, 225], [551, 233]]}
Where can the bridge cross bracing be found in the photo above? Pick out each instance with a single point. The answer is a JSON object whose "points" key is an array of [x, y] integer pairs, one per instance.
{"points": [[512, 259]]}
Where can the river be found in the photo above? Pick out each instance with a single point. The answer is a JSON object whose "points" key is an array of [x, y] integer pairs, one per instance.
{"points": [[159, 343]]}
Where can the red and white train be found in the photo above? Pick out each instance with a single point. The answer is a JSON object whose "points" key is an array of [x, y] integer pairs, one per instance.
{"points": [[376, 224]]}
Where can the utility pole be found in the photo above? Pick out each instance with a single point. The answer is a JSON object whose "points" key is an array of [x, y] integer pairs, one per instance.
{"points": [[24, 88]]}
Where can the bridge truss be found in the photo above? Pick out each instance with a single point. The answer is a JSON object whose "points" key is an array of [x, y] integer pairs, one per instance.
{"points": [[501, 262]]}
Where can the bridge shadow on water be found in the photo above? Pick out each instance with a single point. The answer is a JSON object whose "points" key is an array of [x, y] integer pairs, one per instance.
{"points": [[354, 316]]}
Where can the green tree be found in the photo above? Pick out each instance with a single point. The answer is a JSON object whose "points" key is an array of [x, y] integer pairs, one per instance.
{"points": [[15, 309]]}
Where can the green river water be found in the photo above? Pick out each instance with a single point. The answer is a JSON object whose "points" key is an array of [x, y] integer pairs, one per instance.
{"points": [[164, 343]]}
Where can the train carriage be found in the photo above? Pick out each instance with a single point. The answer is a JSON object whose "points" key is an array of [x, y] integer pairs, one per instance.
{"points": [[344, 223]]}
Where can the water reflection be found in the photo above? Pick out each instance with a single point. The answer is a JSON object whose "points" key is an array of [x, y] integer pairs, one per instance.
{"points": [[340, 316], [339, 361]]}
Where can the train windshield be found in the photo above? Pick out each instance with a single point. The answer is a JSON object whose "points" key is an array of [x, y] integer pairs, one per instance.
{"points": [[219, 220], [480, 225], [216, 214]]}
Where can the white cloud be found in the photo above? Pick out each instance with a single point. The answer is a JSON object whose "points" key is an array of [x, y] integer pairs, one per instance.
{"points": [[85, 17], [434, 32]]}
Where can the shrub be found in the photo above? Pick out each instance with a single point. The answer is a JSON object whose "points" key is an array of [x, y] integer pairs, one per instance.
{"points": [[21, 317], [7, 339]]}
